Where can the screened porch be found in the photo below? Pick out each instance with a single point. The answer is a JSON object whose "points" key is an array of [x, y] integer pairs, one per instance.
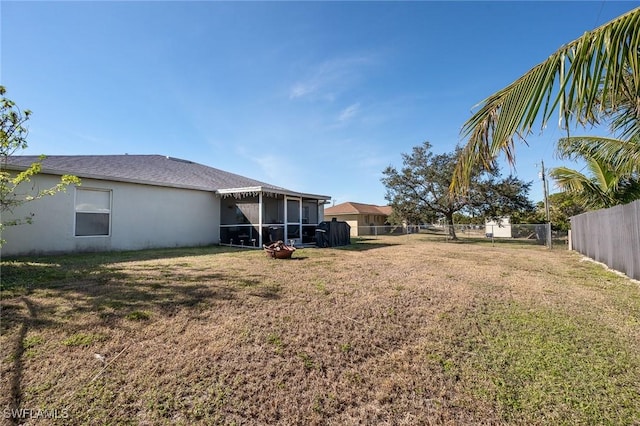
{"points": [[254, 219]]}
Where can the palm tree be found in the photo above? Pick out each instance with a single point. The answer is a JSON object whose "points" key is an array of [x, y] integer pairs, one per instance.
{"points": [[614, 167], [623, 156], [592, 78], [604, 188]]}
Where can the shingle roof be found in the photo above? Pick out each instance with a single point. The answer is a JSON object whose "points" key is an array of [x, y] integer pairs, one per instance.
{"points": [[145, 169], [357, 208]]}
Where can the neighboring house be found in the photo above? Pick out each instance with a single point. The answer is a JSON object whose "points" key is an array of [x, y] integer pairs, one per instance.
{"points": [[498, 229], [131, 202], [363, 218]]}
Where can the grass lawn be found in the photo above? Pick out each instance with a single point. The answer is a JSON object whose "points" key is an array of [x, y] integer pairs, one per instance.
{"points": [[399, 330]]}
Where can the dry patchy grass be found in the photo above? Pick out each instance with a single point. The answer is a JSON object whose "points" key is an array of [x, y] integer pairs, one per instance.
{"points": [[399, 331]]}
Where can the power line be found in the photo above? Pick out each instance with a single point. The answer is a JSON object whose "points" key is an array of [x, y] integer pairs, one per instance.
{"points": [[597, 23]]}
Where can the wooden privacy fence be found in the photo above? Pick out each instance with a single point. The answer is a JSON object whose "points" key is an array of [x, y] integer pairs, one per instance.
{"points": [[610, 236]]}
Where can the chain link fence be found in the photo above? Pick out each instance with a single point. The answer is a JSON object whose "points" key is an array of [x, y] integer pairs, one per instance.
{"points": [[535, 234]]}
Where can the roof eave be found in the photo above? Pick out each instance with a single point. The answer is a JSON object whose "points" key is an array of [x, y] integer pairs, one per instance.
{"points": [[222, 192], [47, 171], [267, 190]]}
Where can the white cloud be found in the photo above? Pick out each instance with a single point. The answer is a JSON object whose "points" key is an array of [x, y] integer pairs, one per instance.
{"points": [[349, 112], [300, 90], [372, 162], [270, 165], [326, 79], [279, 170]]}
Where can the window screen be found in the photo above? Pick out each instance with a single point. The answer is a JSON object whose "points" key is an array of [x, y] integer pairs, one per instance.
{"points": [[93, 211]]}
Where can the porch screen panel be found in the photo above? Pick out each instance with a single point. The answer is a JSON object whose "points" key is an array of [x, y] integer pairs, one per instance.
{"points": [[235, 212], [248, 211], [293, 231], [271, 234], [273, 210], [239, 235], [228, 211], [293, 211], [310, 212]]}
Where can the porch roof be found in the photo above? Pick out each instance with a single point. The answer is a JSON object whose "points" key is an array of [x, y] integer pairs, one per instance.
{"points": [[255, 190]]}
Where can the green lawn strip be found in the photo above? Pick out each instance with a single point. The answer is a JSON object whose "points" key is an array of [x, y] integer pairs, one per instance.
{"points": [[542, 366], [83, 339]]}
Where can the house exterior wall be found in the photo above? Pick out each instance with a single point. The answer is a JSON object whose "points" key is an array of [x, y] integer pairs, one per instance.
{"points": [[142, 216], [354, 226], [351, 219], [499, 229], [360, 223], [368, 222], [369, 219]]}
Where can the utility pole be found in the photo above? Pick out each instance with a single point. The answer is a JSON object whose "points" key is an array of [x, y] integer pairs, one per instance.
{"points": [[545, 188]]}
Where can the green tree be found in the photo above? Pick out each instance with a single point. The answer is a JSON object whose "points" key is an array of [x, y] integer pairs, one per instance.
{"points": [[13, 190], [592, 78], [420, 189], [562, 205]]}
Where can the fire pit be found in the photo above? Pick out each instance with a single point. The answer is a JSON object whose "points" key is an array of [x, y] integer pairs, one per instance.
{"points": [[279, 250]]}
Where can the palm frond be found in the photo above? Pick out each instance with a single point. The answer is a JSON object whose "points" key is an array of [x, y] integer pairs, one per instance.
{"points": [[569, 180], [623, 156], [581, 81], [601, 175], [587, 191]]}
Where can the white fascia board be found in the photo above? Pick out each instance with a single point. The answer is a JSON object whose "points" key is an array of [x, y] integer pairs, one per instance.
{"points": [[243, 190], [256, 189]]}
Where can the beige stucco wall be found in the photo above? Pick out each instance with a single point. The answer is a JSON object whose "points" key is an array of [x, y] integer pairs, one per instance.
{"points": [[349, 218], [142, 216], [358, 223], [369, 219]]}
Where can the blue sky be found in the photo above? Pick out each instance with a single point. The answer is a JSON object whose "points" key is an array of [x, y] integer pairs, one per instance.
{"points": [[317, 97]]}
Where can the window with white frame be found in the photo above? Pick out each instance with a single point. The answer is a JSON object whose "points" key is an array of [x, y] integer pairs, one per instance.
{"points": [[93, 212]]}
